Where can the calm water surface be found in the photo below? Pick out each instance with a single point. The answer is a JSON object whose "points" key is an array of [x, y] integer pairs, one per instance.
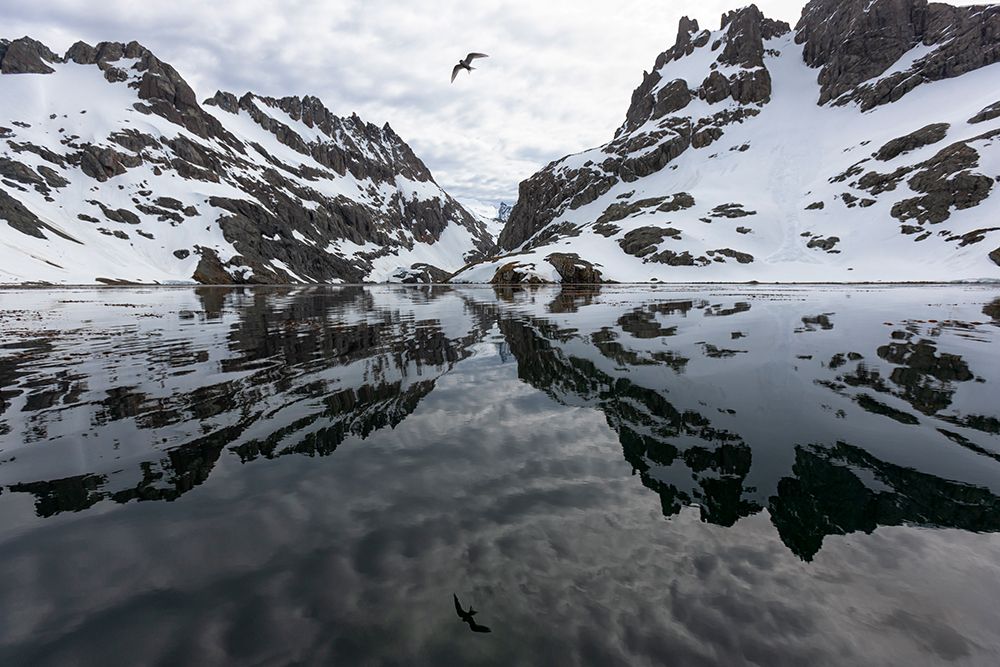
{"points": [[623, 476]]}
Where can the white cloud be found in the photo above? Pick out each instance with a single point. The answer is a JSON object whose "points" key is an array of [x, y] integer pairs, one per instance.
{"points": [[558, 81]]}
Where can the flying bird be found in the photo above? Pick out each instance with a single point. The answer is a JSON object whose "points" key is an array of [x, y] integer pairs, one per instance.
{"points": [[466, 64], [468, 616]]}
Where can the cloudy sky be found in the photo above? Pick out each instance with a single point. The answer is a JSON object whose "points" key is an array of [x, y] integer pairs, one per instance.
{"points": [[558, 81]]}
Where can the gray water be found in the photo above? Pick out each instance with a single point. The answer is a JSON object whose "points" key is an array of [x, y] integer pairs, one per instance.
{"points": [[614, 476]]}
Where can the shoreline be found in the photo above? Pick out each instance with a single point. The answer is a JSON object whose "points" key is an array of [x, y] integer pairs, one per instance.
{"points": [[887, 283]]}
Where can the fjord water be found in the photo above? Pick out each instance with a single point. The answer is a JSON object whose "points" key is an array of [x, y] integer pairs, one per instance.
{"points": [[664, 475]]}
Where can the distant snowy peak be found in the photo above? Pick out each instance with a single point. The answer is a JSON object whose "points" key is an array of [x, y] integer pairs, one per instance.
{"points": [[111, 171], [862, 145], [503, 212]]}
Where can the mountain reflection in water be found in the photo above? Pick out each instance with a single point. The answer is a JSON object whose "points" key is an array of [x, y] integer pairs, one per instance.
{"points": [[485, 428]]}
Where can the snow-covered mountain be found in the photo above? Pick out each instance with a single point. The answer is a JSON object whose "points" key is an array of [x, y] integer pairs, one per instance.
{"points": [[862, 145], [112, 171]]}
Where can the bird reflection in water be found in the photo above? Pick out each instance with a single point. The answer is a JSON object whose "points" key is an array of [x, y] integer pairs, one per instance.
{"points": [[468, 616]]}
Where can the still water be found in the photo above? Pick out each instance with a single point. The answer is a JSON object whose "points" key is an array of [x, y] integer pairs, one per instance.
{"points": [[615, 476]]}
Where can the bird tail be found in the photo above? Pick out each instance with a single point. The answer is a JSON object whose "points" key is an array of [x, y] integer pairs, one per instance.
{"points": [[472, 68]]}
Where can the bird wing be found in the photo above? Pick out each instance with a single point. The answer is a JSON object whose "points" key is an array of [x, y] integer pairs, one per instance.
{"points": [[478, 628], [454, 72], [472, 56], [458, 607]]}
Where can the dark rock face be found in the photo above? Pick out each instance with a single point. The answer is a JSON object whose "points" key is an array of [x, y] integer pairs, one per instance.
{"points": [[421, 273], [747, 29], [925, 136], [740, 257], [515, 273], [101, 163], [574, 270], [544, 196], [826, 244], [26, 56], [11, 170], [432, 273], [617, 212], [946, 182], [671, 258], [853, 41], [644, 240], [20, 218], [731, 211], [989, 113]]}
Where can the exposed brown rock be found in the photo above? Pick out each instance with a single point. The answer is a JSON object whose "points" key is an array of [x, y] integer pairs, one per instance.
{"points": [[731, 211], [854, 41], [671, 258], [421, 273], [515, 273], [741, 257], [746, 30], [989, 113], [946, 183], [574, 270], [26, 56], [826, 244], [101, 163], [925, 136], [644, 240], [17, 216]]}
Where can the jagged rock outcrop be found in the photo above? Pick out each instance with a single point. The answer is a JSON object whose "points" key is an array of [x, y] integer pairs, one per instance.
{"points": [[856, 41], [273, 190], [946, 182], [925, 136], [421, 273], [573, 270], [514, 273], [26, 56]]}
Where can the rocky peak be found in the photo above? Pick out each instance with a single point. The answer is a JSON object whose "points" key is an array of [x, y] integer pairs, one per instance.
{"points": [[350, 144], [228, 102], [163, 91], [741, 39], [746, 29], [503, 211], [26, 56], [855, 42], [685, 31]]}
